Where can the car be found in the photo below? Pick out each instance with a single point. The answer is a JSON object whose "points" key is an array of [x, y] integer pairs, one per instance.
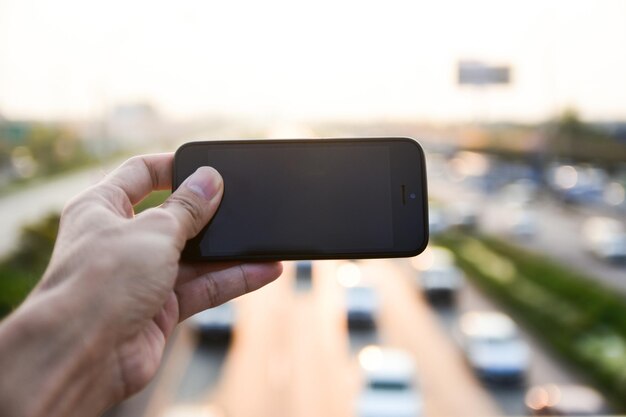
{"points": [[522, 223], [304, 275], [576, 184], [522, 192], [362, 304], [565, 400], [436, 220], [493, 347], [438, 277], [304, 270], [389, 384], [463, 215], [215, 324], [605, 238]]}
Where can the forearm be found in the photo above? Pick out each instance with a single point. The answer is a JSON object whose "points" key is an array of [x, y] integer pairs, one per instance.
{"points": [[47, 363]]}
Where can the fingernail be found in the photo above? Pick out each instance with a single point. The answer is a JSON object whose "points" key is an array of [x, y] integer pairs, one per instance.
{"points": [[205, 182]]}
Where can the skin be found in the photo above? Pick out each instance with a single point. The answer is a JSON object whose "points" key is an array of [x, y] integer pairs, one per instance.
{"points": [[93, 331]]}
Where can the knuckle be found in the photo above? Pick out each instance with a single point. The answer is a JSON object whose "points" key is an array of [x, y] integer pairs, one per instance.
{"points": [[71, 206], [77, 205], [133, 161], [167, 227], [244, 279], [165, 219], [115, 198], [192, 209], [211, 290], [139, 163]]}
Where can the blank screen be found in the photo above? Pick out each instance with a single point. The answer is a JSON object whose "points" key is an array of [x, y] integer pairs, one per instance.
{"points": [[307, 197]]}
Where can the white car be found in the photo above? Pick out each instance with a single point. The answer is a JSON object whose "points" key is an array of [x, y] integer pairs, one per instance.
{"points": [[389, 388], [304, 275], [438, 276], [436, 220], [522, 223], [215, 323], [493, 347], [362, 304], [304, 270], [463, 215], [605, 238]]}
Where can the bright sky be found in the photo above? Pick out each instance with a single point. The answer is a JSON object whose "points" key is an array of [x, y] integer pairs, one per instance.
{"points": [[315, 59]]}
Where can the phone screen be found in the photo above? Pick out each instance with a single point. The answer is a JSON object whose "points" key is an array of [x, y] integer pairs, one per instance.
{"points": [[313, 198]]}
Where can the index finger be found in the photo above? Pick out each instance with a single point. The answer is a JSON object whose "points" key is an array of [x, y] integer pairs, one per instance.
{"points": [[140, 175]]}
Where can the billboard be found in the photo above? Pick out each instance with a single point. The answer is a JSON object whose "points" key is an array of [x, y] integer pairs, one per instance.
{"points": [[481, 73]]}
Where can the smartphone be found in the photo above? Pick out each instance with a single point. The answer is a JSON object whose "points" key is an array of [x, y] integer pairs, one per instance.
{"points": [[311, 198]]}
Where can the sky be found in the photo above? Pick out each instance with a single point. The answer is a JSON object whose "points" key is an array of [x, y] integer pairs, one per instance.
{"points": [[322, 59]]}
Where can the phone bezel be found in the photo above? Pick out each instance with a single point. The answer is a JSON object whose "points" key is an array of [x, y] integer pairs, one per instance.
{"points": [[404, 151]]}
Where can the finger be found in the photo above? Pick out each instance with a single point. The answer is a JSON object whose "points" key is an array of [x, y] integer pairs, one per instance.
{"points": [[188, 271], [194, 203], [140, 175], [215, 288]]}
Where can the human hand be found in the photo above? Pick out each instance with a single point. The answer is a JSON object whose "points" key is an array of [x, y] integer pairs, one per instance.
{"points": [[115, 288]]}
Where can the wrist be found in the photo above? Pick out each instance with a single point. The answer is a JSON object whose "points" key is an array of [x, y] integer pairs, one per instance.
{"points": [[51, 361]]}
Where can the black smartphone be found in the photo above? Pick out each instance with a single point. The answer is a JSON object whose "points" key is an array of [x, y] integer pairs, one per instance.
{"points": [[311, 198]]}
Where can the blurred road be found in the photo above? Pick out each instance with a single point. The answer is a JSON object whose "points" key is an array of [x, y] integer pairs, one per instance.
{"points": [[36, 200], [32, 203], [558, 232], [559, 236], [292, 354]]}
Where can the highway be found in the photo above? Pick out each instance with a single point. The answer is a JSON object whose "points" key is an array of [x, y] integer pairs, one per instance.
{"points": [[558, 227], [292, 354]]}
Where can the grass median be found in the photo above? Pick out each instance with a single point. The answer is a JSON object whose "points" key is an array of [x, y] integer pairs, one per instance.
{"points": [[583, 321]]}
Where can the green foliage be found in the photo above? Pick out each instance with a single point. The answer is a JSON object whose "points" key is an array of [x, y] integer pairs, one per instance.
{"points": [[565, 138], [568, 137], [36, 244], [15, 284], [582, 320], [22, 269], [154, 199]]}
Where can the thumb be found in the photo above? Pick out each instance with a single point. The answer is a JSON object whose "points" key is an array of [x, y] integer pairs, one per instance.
{"points": [[195, 202]]}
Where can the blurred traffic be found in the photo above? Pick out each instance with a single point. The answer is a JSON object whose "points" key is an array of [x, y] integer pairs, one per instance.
{"points": [[389, 337], [517, 306]]}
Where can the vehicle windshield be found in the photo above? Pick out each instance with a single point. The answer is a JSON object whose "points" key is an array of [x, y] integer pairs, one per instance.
{"points": [[495, 341], [388, 385]]}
